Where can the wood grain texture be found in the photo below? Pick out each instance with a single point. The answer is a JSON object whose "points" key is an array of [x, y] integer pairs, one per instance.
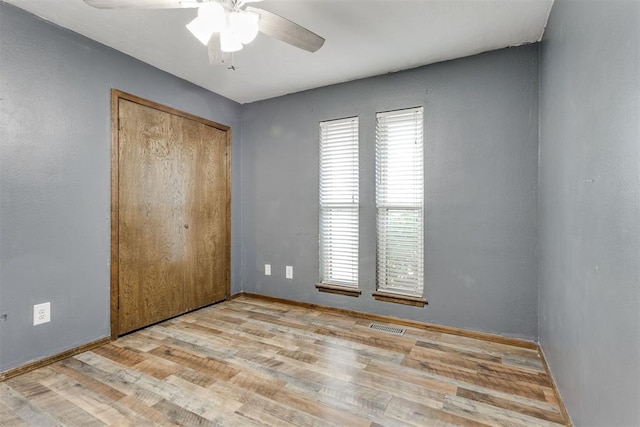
{"points": [[253, 361], [339, 290], [153, 261], [115, 219], [515, 342], [51, 359], [170, 213], [399, 299]]}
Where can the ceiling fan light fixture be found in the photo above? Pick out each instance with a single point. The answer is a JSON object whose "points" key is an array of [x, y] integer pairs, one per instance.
{"points": [[214, 14], [244, 25], [200, 29], [211, 19], [229, 41]]}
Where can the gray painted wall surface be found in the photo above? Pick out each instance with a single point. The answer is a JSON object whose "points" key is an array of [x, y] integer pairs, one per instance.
{"points": [[481, 136], [590, 208], [54, 178]]}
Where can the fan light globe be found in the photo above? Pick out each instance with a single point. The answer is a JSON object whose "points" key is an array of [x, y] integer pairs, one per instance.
{"points": [[229, 41], [244, 25], [200, 30], [210, 19], [214, 14]]}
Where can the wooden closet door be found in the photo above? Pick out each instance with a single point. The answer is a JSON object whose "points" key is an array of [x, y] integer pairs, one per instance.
{"points": [[172, 229], [208, 248]]}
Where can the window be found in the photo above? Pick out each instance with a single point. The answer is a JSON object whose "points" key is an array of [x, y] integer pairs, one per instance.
{"points": [[399, 202], [339, 202]]}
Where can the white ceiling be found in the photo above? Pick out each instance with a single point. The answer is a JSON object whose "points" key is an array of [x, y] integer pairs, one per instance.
{"points": [[363, 38]]}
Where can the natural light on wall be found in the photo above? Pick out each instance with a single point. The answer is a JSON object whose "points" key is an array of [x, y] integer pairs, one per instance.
{"points": [[339, 202], [399, 201]]}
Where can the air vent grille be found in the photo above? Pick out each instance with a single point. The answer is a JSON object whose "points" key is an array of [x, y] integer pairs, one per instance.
{"points": [[388, 329]]}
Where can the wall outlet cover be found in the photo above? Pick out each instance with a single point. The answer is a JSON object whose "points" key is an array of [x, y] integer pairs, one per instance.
{"points": [[267, 269], [41, 313], [289, 272]]}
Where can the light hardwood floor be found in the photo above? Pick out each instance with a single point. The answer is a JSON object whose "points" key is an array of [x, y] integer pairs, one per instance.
{"points": [[254, 362]]}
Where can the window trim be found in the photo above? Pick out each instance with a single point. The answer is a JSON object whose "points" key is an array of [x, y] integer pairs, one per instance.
{"points": [[400, 298], [340, 290]]}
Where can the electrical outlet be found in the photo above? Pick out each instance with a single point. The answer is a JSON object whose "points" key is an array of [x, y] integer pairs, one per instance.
{"points": [[41, 313], [289, 272], [267, 269]]}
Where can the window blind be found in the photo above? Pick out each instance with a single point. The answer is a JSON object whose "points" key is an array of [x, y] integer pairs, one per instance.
{"points": [[339, 202], [399, 201]]}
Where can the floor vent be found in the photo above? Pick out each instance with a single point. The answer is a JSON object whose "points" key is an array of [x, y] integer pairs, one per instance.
{"points": [[388, 329]]}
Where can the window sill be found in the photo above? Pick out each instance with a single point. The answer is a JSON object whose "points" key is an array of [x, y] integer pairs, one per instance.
{"points": [[340, 290], [400, 299]]}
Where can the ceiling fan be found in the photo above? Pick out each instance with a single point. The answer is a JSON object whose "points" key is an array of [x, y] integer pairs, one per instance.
{"points": [[224, 26]]}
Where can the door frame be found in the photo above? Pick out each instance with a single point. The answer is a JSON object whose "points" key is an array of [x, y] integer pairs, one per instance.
{"points": [[116, 96]]}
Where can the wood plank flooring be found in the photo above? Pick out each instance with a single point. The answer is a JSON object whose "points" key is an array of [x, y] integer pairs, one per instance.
{"points": [[253, 362]]}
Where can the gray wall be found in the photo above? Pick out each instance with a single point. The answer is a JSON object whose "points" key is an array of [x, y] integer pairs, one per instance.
{"points": [[590, 208], [481, 154], [54, 178]]}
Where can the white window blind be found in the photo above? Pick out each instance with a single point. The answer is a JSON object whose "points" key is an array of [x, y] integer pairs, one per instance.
{"points": [[339, 202], [399, 201]]}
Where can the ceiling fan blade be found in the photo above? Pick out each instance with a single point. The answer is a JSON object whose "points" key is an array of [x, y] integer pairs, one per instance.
{"points": [[142, 4], [216, 56], [289, 32]]}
